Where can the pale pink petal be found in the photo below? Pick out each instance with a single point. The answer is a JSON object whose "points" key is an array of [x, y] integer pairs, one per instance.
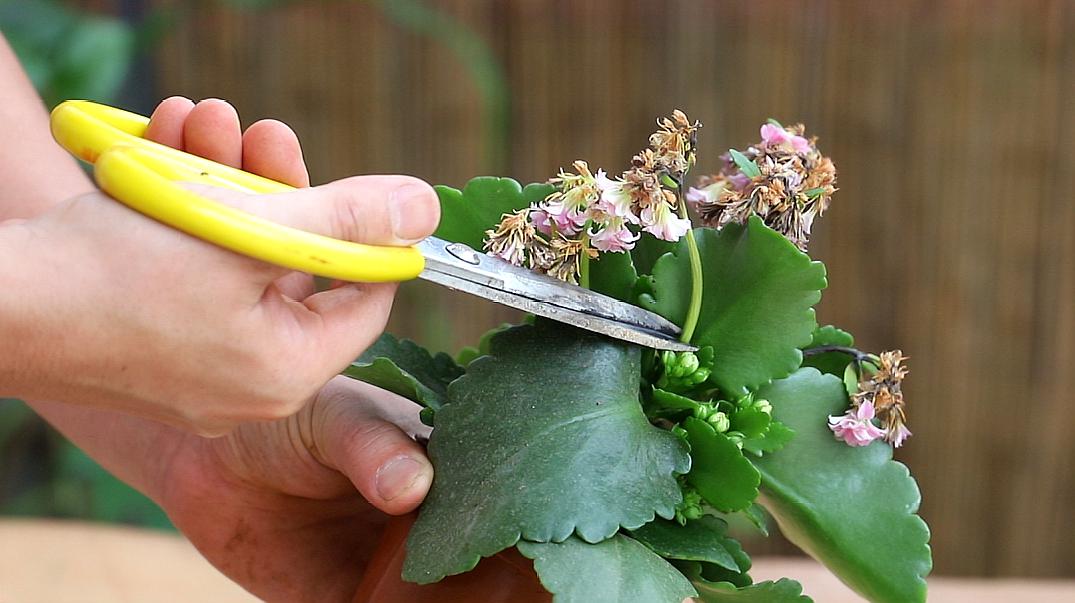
{"points": [[615, 238], [774, 135], [800, 144]]}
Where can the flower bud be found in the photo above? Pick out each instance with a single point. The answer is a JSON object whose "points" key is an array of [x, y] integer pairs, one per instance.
{"points": [[764, 406], [719, 421]]}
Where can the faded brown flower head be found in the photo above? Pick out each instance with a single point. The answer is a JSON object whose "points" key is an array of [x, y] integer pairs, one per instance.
{"points": [[566, 255], [512, 238], [794, 184], [883, 390], [590, 212], [674, 143]]}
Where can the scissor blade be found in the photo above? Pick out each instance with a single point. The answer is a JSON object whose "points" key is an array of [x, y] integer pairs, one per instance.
{"points": [[457, 266]]}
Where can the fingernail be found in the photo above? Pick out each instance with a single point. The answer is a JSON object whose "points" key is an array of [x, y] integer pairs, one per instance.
{"points": [[396, 477], [410, 212]]}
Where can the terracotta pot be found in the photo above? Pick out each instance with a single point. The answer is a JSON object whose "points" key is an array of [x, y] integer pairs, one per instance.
{"points": [[502, 578]]}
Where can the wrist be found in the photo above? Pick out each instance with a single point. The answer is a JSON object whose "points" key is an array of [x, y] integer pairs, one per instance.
{"points": [[17, 344]]}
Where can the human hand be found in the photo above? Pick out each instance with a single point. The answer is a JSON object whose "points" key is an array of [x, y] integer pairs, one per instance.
{"points": [[274, 505], [121, 312]]}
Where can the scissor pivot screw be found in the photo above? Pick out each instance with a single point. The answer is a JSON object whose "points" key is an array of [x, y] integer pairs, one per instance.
{"points": [[465, 253]]}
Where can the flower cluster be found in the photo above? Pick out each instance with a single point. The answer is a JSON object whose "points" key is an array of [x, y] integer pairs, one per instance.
{"points": [[783, 179], [879, 396], [590, 212]]}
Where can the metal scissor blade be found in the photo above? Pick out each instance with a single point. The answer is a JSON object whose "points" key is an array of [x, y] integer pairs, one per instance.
{"points": [[459, 267]]}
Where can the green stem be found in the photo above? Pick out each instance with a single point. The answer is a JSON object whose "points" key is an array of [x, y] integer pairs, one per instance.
{"points": [[694, 310], [584, 259]]}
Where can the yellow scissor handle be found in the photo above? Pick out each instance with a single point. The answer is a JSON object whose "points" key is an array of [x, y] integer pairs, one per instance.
{"points": [[145, 176]]}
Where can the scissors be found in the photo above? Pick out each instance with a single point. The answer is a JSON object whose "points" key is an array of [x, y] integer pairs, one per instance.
{"points": [[147, 177]]}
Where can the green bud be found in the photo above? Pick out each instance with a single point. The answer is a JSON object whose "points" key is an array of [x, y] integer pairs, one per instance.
{"points": [[704, 411], [426, 416], [689, 362], [736, 437], [764, 406], [719, 421], [699, 376]]}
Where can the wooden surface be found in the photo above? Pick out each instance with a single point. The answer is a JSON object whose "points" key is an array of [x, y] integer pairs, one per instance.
{"points": [[69, 562], [952, 237]]}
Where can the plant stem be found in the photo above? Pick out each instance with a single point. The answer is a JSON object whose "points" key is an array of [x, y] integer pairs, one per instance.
{"points": [[695, 308], [584, 259], [858, 355]]}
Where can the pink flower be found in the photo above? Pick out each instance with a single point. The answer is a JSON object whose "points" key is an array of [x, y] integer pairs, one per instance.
{"points": [[615, 200], [856, 428], [707, 195], [775, 136], [659, 221], [739, 181], [568, 221], [614, 237], [897, 438]]}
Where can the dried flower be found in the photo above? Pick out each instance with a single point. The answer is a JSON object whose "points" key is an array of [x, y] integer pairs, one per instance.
{"points": [[884, 391], [793, 184], [601, 209], [673, 143], [855, 427], [566, 255], [512, 238]]}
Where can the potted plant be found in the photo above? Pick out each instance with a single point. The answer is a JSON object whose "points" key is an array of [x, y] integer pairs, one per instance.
{"points": [[616, 469]]}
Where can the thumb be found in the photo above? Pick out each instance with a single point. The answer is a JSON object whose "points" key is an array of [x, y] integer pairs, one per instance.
{"points": [[379, 210], [366, 442], [376, 210]]}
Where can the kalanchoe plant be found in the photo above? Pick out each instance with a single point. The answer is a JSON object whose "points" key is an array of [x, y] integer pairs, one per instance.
{"points": [[617, 469]]}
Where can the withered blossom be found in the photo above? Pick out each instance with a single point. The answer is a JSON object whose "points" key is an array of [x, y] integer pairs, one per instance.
{"points": [[883, 391], [674, 143], [512, 239], [605, 214], [794, 184], [567, 254]]}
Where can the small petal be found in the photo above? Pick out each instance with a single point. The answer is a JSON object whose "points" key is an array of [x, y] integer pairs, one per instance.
{"points": [[855, 427], [661, 222], [615, 238], [774, 135]]}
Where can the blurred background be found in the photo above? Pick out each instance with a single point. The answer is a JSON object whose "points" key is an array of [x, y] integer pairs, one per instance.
{"points": [[952, 238]]}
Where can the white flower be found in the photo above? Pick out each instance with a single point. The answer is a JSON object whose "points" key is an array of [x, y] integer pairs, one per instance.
{"points": [[659, 220]]}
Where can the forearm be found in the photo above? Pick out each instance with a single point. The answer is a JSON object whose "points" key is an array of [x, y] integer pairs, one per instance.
{"points": [[35, 173]]}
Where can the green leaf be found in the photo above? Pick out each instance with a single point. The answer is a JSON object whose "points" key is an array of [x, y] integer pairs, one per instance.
{"points": [[613, 274], [851, 379], [542, 439], [745, 164], [757, 516], [702, 572], [719, 470], [466, 355], [465, 215], [757, 301], [781, 591], [617, 570], [833, 363], [648, 249], [850, 508], [406, 369], [775, 438], [704, 539], [774, 122], [670, 401], [751, 421]]}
